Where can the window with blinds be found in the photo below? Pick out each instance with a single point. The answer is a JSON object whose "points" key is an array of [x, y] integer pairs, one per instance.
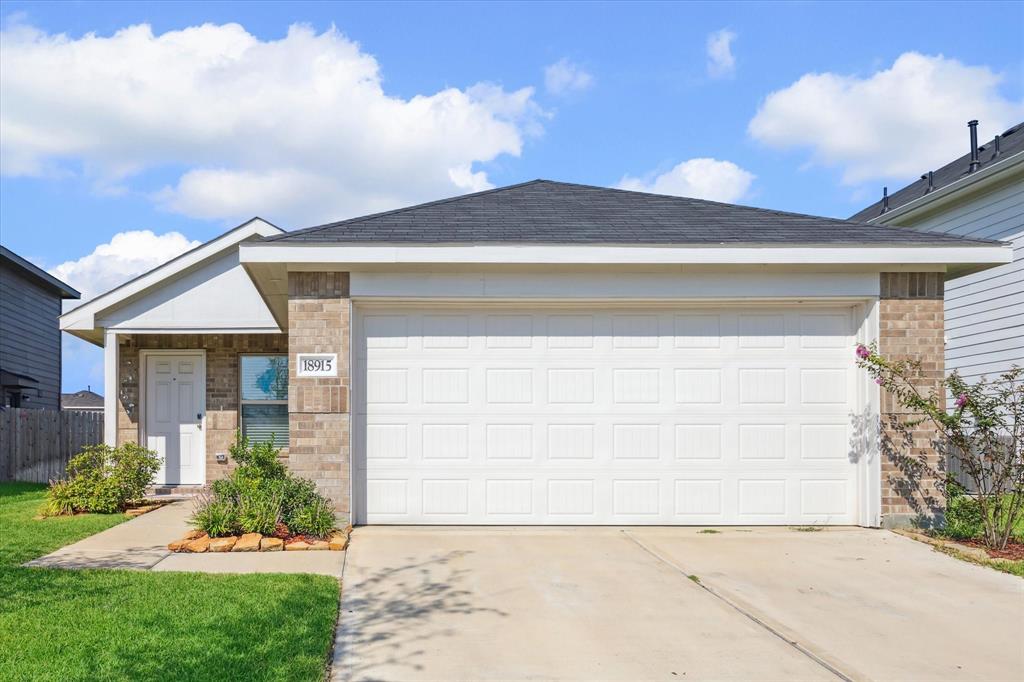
{"points": [[263, 394]]}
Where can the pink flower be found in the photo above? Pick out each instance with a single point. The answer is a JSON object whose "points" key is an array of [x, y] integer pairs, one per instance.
{"points": [[863, 352], [879, 381], [961, 400]]}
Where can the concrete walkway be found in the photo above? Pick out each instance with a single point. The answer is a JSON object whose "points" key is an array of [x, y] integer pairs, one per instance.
{"points": [[670, 603], [141, 544]]}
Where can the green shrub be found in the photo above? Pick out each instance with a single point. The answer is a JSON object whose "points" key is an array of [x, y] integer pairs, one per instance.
{"points": [[259, 494], [259, 513], [963, 518], [60, 499], [216, 517], [296, 493], [315, 519], [259, 461], [103, 479]]}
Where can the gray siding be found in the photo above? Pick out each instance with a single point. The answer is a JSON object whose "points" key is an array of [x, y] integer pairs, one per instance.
{"points": [[985, 311], [30, 335]]}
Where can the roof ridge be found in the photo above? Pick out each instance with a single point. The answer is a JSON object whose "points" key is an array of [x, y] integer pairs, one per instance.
{"points": [[711, 202], [393, 211]]}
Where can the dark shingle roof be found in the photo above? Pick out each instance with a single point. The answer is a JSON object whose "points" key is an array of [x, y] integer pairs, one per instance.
{"points": [[1011, 142], [37, 274], [546, 212], [81, 400]]}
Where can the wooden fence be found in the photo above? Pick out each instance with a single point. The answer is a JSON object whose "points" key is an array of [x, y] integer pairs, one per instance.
{"points": [[35, 445]]}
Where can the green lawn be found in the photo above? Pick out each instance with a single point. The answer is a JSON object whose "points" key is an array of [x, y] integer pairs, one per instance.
{"points": [[129, 625]]}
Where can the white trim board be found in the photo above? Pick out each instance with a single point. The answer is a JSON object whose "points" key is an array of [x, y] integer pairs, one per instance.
{"points": [[613, 286], [606, 254], [84, 317]]}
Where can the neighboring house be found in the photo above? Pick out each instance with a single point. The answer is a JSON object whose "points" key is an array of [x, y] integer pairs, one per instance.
{"points": [[545, 353], [979, 195], [30, 303], [82, 401]]}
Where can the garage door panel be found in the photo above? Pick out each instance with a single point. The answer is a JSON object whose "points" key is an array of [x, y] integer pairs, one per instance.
{"points": [[617, 417]]}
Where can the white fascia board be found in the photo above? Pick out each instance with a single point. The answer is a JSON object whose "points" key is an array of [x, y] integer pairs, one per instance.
{"points": [[621, 254], [944, 195], [84, 316]]}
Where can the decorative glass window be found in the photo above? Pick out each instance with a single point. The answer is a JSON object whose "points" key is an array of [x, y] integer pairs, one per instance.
{"points": [[264, 398]]}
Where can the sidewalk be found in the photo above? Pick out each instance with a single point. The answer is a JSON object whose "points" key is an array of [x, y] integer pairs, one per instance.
{"points": [[141, 544]]}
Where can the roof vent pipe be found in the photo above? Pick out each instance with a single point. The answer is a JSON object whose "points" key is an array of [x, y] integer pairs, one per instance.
{"points": [[885, 200], [930, 177], [997, 152], [973, 125]]}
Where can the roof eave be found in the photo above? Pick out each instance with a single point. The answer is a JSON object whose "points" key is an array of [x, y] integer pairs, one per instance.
{"points": [[81, 321], [310, 254], [977, 181]]}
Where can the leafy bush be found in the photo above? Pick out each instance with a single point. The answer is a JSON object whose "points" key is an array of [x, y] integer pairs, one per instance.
{"points": [[258, 461], [315, 519], [261, 496], [103, 479], [963, 518]]}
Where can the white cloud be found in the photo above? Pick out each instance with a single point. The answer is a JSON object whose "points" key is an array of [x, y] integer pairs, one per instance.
{"points": [[126, 255], [895, 123], [721, 62], [564, 76], [697, 178], [298, 130]]}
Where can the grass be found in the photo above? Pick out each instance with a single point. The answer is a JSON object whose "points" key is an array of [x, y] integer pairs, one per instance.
{"points": [[807, 529], [1005, 565], [709, 531], [130, 625]]}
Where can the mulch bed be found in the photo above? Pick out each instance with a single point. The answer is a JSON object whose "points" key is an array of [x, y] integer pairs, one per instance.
{"points": [[1014, 550]]}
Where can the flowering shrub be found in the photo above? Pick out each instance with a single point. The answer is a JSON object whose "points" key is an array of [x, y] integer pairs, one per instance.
{"points": [[983, 433]]}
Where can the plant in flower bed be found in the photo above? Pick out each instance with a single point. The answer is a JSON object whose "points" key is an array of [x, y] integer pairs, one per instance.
{"points": [[983, 434], [262, 496], [103, 479]]}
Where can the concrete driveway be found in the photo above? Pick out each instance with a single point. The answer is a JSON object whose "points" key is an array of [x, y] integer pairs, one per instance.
{"points": [[670, 603]]}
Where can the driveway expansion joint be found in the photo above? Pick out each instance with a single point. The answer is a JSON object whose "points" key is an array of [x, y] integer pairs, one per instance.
{"points": [[690, 577]]}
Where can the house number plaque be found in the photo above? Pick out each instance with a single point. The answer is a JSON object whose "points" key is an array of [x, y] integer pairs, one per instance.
{"points": [[317, 364]]}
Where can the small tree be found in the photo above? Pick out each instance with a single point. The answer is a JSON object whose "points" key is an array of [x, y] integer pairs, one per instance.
{"points": [[983, 432]]}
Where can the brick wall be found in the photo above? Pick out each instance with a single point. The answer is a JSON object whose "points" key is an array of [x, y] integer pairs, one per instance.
{"points": [[222, 351], [318, 322], [911, 326]]}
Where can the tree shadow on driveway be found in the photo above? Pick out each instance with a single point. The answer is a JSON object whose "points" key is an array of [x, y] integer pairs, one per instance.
{"points": [[389, 617]]}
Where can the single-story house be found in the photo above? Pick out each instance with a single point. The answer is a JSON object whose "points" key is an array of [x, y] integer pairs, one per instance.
{"points": [[544, 353]]}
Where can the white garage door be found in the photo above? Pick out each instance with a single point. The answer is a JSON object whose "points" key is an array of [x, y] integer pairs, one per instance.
{"points": [[605, 416]]}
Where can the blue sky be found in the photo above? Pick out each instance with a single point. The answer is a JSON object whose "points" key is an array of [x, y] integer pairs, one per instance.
{"points": [[802, 106]]}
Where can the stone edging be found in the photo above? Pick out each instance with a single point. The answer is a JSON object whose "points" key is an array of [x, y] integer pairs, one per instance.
{"points": [[198, 542]]}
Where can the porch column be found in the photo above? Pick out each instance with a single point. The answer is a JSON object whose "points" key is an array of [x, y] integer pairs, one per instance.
{"points": [[110, 369]]}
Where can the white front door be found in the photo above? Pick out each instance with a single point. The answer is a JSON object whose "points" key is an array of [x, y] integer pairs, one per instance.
{"points": [[597, 415], [175, 405]]}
